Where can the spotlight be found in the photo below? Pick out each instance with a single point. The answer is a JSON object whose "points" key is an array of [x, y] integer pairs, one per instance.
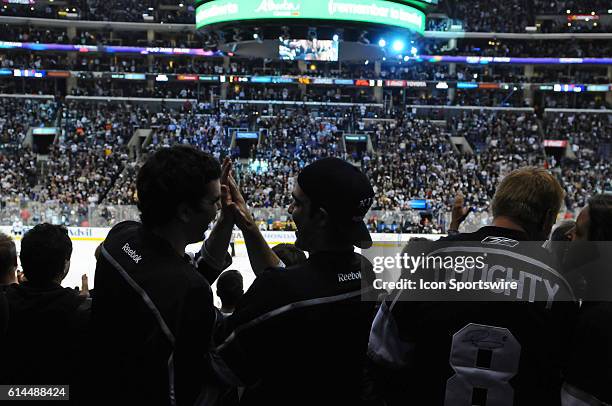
{"points": [[406, 58], [258, 35], [382, 43], [398, 45], [338, 35], [414, 51]]}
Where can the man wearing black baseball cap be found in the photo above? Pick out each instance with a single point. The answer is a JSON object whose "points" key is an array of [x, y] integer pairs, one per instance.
{"points": [[342, 193], [300, 333]]}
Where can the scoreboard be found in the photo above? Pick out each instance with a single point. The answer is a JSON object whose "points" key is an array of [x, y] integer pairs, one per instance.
{"points": [[404, 14]]}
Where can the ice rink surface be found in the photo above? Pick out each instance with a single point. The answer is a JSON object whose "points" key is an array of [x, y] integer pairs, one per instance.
{"points": [[84, 262], [85, 241]]}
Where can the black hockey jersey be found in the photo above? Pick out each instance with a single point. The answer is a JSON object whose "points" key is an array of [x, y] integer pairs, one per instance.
{"points": [[492, 346]]}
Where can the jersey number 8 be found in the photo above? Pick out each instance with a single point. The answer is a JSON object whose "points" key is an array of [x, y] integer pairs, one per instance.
{"points": [[484, 359]]}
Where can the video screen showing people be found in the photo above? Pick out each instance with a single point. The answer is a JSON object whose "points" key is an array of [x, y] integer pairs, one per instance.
{"points": [[309, 50]]}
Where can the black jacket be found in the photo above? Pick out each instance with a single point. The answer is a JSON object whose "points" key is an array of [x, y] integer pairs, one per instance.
{"points": [[299, 335], [46, 337], [507, 346], [152, 319]]}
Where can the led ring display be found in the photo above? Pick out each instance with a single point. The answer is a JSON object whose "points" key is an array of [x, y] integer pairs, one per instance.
{"points": [[366, 11]]}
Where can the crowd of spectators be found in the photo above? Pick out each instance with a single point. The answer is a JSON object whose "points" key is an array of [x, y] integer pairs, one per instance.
{"points": [[105, 10], [470, 15], [91, 152], [91, 163], [576, 7], [17, 162], [588, 170]]}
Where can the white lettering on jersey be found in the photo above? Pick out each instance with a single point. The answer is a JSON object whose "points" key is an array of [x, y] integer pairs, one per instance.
{"points": [[343, 277], [131, 253]]}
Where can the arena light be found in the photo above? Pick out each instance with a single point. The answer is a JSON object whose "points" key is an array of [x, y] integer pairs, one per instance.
{"points": [[414, 51], [382, 43], [398, 45], [258, 35], [336, 37]]}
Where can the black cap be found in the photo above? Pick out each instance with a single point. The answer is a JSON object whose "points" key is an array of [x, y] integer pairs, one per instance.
{"points": [[343, 191]]}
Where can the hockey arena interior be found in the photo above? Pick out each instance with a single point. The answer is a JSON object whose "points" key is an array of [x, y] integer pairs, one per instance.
{"points": [[206, 170]]}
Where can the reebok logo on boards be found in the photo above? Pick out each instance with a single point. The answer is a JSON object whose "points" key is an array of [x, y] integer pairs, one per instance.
{"points": [[131, 253]]}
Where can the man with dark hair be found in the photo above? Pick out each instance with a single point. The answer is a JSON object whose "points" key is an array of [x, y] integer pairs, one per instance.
{"points": [[299, 334], [8, 261], [594, 222], [482, 346], [48, 322], [589, 374], [153, 311], [229, 289], [289, 254]]}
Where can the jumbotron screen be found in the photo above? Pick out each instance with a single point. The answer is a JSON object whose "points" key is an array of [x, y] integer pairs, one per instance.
{"points": [[364, 11], [308, 50]]}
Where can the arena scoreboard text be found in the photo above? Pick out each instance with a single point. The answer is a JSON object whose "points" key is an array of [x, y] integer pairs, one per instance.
{"points": [[362, 11]]}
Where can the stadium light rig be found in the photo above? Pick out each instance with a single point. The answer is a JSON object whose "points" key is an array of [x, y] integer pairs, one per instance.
{"points": [[398, 45], [257, 35]]}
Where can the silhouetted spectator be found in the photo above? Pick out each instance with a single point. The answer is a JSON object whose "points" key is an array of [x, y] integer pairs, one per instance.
{"points": [[49, 322], [8, 261]]}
